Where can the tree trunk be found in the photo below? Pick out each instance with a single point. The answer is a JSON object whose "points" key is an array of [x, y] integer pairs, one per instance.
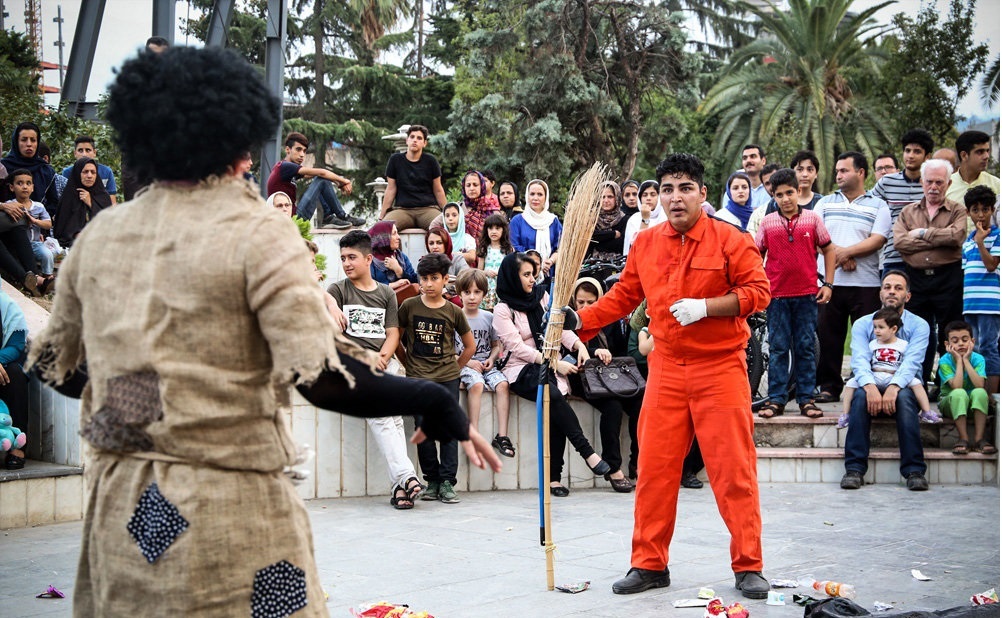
{"points": [[319, 68]]}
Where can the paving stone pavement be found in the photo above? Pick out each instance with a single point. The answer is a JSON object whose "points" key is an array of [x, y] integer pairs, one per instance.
{"points": [[481, 557]]}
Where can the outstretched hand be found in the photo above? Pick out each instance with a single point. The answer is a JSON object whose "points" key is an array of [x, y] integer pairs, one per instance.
{"points": [[478, 450]]}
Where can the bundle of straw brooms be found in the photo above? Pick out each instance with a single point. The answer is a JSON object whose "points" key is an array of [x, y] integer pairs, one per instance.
{"points": [[580, 217]]}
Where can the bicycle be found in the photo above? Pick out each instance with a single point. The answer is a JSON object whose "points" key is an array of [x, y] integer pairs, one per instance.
{"points": [[757, 354]]}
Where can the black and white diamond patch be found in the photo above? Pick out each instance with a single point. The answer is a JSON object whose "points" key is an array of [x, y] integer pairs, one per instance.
{"points": [[155, 523], [279, 591]]}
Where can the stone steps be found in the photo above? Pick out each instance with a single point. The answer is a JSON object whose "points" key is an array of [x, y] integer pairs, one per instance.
{"points": [[40, 493]]}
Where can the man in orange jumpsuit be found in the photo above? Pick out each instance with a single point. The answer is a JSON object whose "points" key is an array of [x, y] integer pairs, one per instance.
{"points": [[702, 277]]}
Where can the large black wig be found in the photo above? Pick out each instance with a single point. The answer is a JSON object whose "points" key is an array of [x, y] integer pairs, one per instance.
{"points": [[187, 113]]}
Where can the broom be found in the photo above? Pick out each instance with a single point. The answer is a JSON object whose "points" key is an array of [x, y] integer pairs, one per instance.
{"points": [[580, 217]]}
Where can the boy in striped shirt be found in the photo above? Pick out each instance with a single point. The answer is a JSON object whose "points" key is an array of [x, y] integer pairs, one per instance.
{"points": [[980, 261]]}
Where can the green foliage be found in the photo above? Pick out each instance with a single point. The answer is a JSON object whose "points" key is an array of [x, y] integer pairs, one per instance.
{"points": [[805, 74], [546, 87], [17, 64], [989, 88], [305, 230], [932, 64]]}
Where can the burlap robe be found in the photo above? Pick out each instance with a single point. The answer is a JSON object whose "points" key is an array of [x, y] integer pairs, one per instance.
{"points": [[189, 305]]}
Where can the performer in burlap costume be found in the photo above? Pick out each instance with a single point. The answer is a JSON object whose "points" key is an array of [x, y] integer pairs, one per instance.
{"points": [[182, 318]]}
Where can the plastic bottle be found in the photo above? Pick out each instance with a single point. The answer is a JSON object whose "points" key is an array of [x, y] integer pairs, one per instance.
{"points": [[835, 589]]}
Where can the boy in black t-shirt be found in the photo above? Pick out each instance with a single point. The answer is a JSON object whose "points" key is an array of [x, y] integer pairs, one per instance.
{"points": [[414, 184], [430, 325]]}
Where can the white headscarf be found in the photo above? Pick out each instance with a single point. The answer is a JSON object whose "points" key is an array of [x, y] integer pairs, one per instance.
{"points": [[270, 202], [542, 221]]}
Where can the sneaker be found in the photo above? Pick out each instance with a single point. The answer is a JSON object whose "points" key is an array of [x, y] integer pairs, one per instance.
{"points": [[843, 421], [355, 221], [916, 482], [447, 494], [335, 223], [930, 416], [852, 480], [431, 493]]}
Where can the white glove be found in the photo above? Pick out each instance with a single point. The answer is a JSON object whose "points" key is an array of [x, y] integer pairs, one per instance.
{"points": [[689, 310]]}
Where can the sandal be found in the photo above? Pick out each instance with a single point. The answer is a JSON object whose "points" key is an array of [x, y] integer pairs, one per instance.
{"points": [[13, 462], [771, 409], [985, 447], [810, 410], [620, 486], [962, 447], [413, 487], [503, 445], [825, 397], [401, 502]]}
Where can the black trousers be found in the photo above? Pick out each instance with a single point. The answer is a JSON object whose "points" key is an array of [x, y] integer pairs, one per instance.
{"points": [[16, 256], [564, 424], [15, 395], [937, 298], [612, 411], [439, 459], [847, 304]]}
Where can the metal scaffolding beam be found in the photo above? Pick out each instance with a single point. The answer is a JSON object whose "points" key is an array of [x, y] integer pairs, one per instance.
{"points": [[165, 19], [219, 23], [74, 92], [274, 72]]}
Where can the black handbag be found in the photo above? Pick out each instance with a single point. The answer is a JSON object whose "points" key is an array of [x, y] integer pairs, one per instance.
{"points": [[619, 379]]}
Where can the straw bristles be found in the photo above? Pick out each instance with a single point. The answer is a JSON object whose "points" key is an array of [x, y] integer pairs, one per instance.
{"points": [[580, 217]]}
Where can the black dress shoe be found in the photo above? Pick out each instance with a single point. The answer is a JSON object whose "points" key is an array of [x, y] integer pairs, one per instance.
{"points": [[751, 584], [601, 468], [638, 580], [560, 491], [622, 486], [691, 481]]}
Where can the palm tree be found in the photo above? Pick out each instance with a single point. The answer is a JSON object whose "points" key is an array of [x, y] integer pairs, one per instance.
{"points": [[807, 68], [990, 84]]}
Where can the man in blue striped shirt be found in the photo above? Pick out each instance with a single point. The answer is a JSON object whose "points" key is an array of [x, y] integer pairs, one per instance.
{"points": [[897, 400], [905, 187]]}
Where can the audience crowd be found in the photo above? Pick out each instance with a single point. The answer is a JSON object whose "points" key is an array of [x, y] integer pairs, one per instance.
{"points": [[926, 236]]}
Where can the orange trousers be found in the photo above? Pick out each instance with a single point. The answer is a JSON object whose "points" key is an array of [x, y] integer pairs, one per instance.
{"points": [[713, 400]]}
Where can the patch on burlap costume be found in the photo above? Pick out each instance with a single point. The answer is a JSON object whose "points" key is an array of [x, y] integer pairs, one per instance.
{"points": [[191, 348]]}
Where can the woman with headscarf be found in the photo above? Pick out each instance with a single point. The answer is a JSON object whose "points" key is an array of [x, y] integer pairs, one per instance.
{"points": [[536, 227], [3, 169], [651, 214], [509, 199], [83, 198], [186, 378], [13, 381], [479, 203], [390, 265], [520, 323], [280, 200], [738, 206], [630, 191], [610, 228], [24, 155]]}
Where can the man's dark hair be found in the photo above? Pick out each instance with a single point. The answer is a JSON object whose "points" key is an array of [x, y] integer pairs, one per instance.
{"points": [[296, 138], [770, 168], [805, 155], [159, 41], [433, 263], [967, 140], [679, 163], [858, 161], [489, 175], [898, 273], [418, 127], [919, 137], [18, 172], [161, 103], [84, 139], [357, 239], [886, 155], [43, 150], [784, 176], [958, 326], [889, 316], [761, 152], [981, 195]]}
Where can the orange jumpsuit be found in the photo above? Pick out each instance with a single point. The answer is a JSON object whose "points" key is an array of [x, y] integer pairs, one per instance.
{"points": [[697, 382]]}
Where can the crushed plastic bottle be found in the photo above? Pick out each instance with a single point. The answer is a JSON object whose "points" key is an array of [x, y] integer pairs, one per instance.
{"points": [[831, 588]]}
